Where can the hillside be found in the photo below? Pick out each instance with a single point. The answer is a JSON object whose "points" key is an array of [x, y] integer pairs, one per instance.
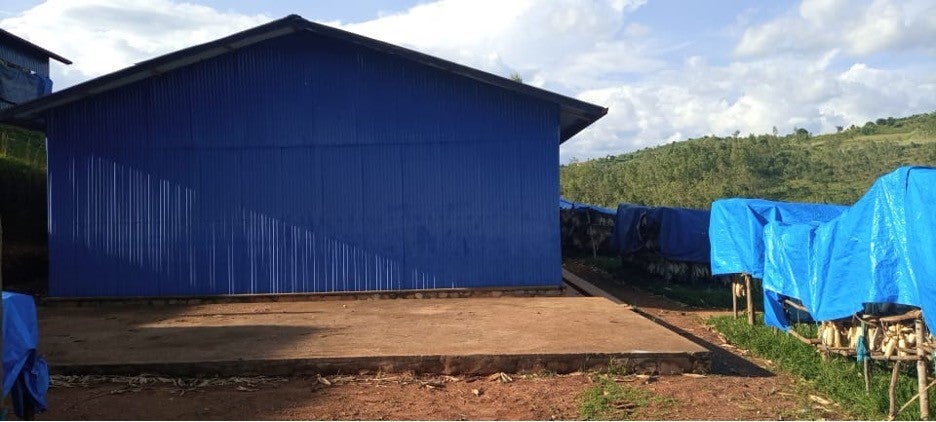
{"points": [[832, 168], [23, 209]]}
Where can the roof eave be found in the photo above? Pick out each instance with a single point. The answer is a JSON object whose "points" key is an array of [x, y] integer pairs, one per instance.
{"points": [[26, 43]]}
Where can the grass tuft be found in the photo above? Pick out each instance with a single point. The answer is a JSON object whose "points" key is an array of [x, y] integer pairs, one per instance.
{"points": [[839, 378], [609, 400]]}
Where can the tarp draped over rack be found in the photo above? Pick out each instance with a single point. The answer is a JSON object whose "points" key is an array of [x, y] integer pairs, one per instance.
{"points": [[25, 374], [565, 204], [682, 232], [737, 230], [585, 228], [881, 250]]}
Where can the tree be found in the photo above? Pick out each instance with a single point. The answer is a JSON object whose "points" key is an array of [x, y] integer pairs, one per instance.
{"points": [[515, 76]]}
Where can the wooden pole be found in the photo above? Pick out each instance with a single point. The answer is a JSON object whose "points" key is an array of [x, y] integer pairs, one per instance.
{"points": [[866, 365], [591, 235], [750, 299], [921, 370], [892, 392]]}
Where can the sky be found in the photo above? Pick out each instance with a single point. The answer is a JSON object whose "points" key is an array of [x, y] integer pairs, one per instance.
{"points": [[667, 70]]}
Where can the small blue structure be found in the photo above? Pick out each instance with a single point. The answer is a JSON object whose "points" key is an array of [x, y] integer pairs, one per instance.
{"points": [[880, 250], [24, 70], [736, 230], [295, 158]]}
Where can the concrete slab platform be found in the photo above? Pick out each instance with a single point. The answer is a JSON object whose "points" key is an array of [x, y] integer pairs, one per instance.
{"points": [[443, 336]]}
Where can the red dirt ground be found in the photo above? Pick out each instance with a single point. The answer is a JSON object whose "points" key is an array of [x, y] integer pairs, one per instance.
{"points": [[740, 388]]}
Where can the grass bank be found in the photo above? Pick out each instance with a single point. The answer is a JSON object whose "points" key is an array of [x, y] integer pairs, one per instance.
{"points": [[839, 378]]}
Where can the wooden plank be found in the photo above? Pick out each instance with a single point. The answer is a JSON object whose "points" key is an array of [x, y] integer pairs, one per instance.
{"points": [[921, 370], [750, 299]]}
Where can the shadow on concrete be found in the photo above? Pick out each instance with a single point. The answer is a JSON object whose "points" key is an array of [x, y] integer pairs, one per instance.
{"points": [[724, 362]]}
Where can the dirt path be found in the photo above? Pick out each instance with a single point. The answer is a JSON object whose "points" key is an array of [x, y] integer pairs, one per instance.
{"points": [[740, 388]]}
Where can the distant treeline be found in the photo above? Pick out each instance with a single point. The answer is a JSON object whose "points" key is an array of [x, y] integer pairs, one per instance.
{"points": [[832, 168]]}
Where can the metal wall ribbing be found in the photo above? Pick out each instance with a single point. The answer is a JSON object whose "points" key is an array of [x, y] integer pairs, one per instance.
{"points": [[302, 164]]}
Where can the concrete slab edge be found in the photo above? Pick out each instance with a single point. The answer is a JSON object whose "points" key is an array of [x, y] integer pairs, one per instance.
{"points": [[526, 291], [642, 363]]}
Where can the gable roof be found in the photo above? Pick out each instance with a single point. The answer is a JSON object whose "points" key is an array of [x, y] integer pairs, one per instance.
{"points": [[7, 37], [575, 114]]}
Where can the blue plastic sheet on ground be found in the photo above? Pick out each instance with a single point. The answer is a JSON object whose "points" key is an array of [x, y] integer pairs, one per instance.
{"points": [[20, 358], [565, 204], [682, 232], [882, 249], [737, 225]]}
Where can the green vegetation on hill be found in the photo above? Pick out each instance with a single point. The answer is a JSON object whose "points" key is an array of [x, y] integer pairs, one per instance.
{"points": [[832, 168], [23, 209]]}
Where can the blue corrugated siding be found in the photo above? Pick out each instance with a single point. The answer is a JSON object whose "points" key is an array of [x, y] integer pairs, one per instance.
{"points": [[20, 57], [301, 165]]}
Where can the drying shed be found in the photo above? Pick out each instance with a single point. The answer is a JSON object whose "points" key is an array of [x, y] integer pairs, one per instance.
{"points": [[24, 70], [298, 158]]}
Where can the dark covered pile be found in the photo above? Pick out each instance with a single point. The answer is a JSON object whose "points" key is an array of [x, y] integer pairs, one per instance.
{"points": [[671, 243], [586, 229]]}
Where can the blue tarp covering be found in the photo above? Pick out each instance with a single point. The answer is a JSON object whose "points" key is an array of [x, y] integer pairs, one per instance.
{"points": [[23, 369], [737, 230], [627, 237], [682, 232], [18, 86], [565, 204], [882, 249]]}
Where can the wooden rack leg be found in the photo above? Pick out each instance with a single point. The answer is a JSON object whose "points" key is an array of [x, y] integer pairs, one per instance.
{"points": [[892, 392], [750, 299], [866, 365], [921, 370]]}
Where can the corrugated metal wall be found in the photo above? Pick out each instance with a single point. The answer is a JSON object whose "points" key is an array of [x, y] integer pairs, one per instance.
{"points": [[20, 57], [302, 165]]}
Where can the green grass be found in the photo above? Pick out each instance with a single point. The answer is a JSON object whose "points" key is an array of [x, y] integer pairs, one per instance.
{"points": [[838, 378], [609, 400]]}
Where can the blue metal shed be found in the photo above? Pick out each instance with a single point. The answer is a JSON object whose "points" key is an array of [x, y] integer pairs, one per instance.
{"points": [[24, 70], [297, 158]]}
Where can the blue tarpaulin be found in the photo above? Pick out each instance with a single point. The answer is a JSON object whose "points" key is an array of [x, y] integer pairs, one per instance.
{"points": [[881, 250], [627, 236], [565, 204], [682, 232], [737, 230], [18, 86], [23, 369]]}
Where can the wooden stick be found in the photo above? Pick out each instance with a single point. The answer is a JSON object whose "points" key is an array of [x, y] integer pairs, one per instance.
{"points": [[914, 314], [892, 392], [803, 338], [915, 396], [921, 371], [896, 358], [795, 305], [866, 365], [750, 299]]}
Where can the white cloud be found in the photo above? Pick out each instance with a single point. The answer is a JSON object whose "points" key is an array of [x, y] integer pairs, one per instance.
{"points": [[816, 66], [101, 36], [565, 44], [859, 28], [699, 99]]}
